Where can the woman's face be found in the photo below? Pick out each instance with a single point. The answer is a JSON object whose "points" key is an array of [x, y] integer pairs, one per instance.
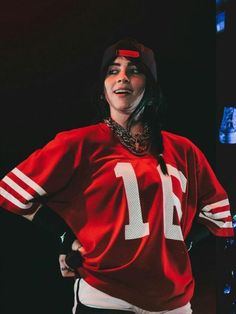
{"points": [[124, 86]]}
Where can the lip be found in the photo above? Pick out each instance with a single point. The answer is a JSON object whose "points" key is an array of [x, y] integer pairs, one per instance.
{"points": [[122, 95]]}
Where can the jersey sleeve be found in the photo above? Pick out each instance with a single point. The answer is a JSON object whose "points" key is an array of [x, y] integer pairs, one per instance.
{"points": [[42, 174], [213, 204]]}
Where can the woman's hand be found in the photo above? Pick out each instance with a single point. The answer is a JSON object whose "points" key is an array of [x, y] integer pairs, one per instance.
{"points": [[66, 271], [71, 261]]}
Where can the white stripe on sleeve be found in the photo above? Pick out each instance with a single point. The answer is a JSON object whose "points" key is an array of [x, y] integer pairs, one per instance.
{"points": [[29, 181], [14, 200], [215, 217], [221, 224], [209, 207], [17, 188], [218, 215]]}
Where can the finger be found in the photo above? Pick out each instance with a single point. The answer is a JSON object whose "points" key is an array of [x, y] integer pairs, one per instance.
{"points": [[76, 246]]}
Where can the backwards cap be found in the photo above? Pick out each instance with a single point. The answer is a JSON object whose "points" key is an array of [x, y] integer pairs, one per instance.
{"points": [[132, 49]]}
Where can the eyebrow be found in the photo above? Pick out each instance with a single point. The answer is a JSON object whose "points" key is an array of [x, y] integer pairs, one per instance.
{"points": [[118, 64]]}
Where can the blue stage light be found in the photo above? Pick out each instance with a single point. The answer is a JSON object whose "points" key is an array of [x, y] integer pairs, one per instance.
{"points": [[227, 133], [227, 289], [220, 22]]}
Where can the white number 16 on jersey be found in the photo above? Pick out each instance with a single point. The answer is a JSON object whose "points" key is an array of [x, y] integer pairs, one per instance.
{"points": [[136, 227]]}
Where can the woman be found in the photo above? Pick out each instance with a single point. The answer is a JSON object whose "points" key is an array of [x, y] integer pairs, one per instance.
{"points": [[129, 191]]}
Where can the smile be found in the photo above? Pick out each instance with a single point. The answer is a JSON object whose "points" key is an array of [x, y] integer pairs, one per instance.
{"points": [[123, 91]]}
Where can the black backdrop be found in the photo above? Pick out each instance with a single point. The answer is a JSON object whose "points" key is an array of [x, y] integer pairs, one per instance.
{"points": [[50, 57], [51, 53]]}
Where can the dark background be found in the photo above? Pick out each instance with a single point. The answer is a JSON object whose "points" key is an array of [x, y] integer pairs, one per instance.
{"points": [[51, 53], [226, 154], [49, 58]]}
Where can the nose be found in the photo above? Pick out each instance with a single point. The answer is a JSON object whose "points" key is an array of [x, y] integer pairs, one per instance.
{"points": [[122, 77]]}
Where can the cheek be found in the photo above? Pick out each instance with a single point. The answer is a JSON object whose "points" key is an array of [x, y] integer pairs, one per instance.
{"points": [[140, 89], [140, 85], [107, 89]]}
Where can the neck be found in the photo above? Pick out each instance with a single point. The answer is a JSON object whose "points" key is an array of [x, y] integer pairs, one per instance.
{"points": [[122, 120]]}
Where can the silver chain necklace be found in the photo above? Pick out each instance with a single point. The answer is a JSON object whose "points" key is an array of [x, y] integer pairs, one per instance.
{"points": [[138, 144]]}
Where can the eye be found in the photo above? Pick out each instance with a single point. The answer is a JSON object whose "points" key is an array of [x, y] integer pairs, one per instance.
{"points": [[134, 70], [112, 71]]}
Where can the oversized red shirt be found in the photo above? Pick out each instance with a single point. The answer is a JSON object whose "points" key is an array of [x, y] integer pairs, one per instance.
{"points": [[130, 218]]}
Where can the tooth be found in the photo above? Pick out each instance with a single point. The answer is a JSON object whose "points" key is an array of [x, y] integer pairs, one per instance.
{"points": [[122, 91]]}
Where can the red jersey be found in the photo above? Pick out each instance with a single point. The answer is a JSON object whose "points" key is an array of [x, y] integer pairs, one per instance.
{"points": [[130, 218]]}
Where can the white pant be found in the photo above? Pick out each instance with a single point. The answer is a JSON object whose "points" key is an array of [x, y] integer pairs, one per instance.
{"points": [[95, 298]]}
